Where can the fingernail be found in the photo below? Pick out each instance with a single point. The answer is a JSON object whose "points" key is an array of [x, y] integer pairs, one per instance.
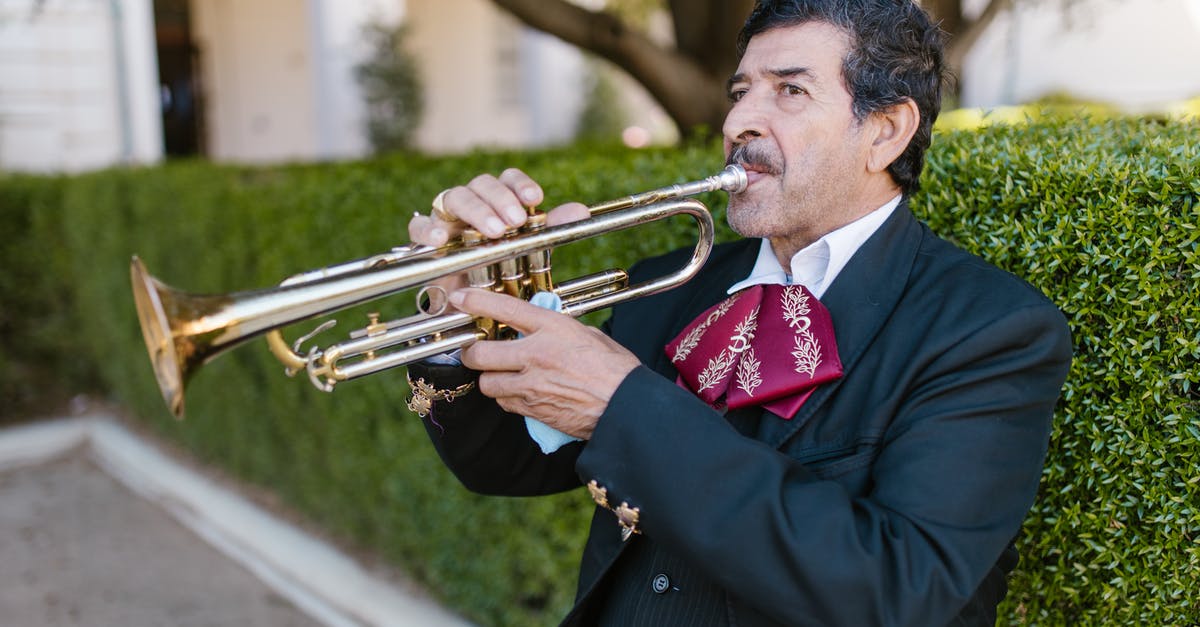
{"points": [[456, 297], [529, 195], [516, 215], [439, 234], [494, 226]]}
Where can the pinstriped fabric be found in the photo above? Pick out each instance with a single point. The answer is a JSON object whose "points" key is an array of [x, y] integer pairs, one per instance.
{"points": [[687, 598]]}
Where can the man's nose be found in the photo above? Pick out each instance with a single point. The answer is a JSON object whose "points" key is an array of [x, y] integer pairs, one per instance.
{"points": [[745, 121]]}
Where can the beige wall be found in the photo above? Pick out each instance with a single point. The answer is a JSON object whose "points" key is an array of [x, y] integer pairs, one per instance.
{"points": [[490, 81], [257, 75], [276, 78], [473, 96], [78, 85]]}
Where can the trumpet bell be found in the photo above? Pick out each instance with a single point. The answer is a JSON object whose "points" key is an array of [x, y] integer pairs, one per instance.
{"points": [[181, 331], [169, 367]]}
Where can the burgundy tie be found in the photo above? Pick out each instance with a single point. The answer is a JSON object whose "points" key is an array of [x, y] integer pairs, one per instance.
{"points": [[768, 345]]}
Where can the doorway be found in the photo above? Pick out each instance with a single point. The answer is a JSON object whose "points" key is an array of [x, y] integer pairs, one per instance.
{"points": [[179, 81]]}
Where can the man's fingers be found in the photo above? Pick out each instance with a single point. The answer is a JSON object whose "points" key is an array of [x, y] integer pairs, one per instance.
{"points": [[494, 356], [467, 205], [493, 205], [427, 231], [526, 189], [570, 212], [495, 384], [502, 200], [514, 312]]}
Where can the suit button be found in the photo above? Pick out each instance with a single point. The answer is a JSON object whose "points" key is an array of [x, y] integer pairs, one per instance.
{"points": [[661, 583]]}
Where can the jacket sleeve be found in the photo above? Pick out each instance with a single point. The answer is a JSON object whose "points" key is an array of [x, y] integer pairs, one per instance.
{"points": [[949, 485], [488, 449]]}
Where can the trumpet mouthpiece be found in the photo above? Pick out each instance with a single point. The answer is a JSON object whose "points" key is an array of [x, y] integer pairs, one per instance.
{"points": [[733, 179]]}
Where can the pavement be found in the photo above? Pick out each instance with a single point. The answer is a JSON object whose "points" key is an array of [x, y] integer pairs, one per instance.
{"points": [[99, 527]]}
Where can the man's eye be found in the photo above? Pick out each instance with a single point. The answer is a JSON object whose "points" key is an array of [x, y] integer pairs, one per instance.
{"points": [[735, 95], [793, 90]]}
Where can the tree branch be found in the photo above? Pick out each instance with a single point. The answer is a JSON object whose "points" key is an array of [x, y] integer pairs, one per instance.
{"points": [[689, 94]]}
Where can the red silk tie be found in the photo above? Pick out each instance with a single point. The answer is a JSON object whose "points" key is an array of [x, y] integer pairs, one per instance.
{"points": [[768, 345]]}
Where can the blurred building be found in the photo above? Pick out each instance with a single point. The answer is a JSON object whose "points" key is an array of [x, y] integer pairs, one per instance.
{"points": [[87, 84], [1137, 54], [78, 85]]}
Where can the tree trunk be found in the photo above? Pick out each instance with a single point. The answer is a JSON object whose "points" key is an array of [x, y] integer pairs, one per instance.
{"points": [[690, 89], [706, 32], [963, 33], [946, 13]]}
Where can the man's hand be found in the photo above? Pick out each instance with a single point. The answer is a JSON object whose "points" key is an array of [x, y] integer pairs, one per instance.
{"points": [[561, 372], [491, 206]]}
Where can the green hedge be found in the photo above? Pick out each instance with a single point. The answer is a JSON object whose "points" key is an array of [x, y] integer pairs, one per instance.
{"points": [[36, 303], [1100, 215]]}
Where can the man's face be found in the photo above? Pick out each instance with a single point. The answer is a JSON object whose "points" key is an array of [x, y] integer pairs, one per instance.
{"points": [[791, 125]]}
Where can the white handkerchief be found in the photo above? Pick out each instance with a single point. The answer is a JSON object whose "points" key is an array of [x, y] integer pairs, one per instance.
{"points": [[548, 438]]}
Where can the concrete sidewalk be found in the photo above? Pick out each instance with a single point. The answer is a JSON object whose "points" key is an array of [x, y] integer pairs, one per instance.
{"points": [[100, 528]]}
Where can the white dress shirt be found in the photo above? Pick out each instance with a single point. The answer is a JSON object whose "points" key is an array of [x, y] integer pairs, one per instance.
{"points": [[819, 263]]}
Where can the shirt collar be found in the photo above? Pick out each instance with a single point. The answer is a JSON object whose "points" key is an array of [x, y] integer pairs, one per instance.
{"points": [[818, 264]]}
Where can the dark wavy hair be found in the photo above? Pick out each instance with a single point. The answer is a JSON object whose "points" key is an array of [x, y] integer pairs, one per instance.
{"points": [[895, 53]]}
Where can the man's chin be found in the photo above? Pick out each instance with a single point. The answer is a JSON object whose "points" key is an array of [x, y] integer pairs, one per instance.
{"points": [[741, 218]]}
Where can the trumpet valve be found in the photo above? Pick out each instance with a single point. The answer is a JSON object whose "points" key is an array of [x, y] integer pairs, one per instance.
{"points": [[483, 277], [375, 327], [538, 261], [513, 278]]}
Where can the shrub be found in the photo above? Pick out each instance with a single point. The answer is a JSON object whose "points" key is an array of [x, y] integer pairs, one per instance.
{"points": [[391, 83], [1101, 215], [37, 367], [1103, 218]]}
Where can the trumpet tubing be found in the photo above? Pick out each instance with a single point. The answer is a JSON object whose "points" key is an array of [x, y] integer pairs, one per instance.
{"points": [[183, 331]]}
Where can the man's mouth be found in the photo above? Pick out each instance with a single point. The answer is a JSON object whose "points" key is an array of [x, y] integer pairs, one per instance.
{"points": [[754, 176], [756, 164], [756, 172]]}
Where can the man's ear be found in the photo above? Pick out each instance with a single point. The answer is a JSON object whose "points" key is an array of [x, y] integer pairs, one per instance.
{"points": [[894, 129]]}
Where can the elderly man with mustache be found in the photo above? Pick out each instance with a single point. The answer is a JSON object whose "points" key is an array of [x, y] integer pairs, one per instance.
{"points": [[841, 421]]}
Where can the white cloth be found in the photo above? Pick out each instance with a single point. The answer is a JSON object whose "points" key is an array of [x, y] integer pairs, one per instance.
{"points": [[548, 438]]}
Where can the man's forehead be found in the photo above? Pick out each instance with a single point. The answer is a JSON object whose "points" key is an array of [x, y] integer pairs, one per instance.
{"points": [[816, 47]]}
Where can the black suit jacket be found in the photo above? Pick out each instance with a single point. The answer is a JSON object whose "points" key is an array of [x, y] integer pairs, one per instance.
{"points": [[891, 498]]}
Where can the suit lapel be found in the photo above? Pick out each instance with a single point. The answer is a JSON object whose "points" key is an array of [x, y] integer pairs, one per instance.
{"points": [[860, 300]]}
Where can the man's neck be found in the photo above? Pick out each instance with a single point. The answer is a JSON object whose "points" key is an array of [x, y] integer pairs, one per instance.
{"points": [[787, 246]]}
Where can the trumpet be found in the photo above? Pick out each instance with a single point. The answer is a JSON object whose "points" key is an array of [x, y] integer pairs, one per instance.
{"points": [[182, 330]]}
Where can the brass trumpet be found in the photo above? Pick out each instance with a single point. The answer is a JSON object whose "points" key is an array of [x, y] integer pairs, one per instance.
{"points": [[183, 331]]}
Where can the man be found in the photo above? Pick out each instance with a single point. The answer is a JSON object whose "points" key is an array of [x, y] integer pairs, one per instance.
{"points": [[892, 495]]}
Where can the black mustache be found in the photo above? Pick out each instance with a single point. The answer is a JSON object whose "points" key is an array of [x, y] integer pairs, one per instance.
{"points": [[753, 156]]}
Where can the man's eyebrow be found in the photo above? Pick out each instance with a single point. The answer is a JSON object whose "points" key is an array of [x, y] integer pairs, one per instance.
{"points": [[787, 72]]}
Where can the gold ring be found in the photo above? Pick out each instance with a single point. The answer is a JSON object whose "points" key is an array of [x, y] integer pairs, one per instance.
{"points": [[440, 212], [424, 395]]}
